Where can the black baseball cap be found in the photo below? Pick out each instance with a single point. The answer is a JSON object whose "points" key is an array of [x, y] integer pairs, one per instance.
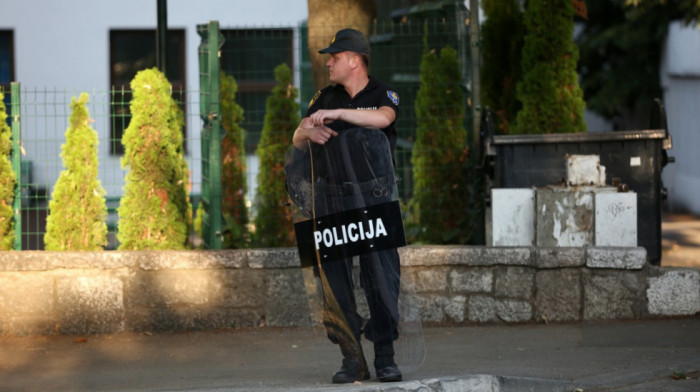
{"points": [[348, 39]]}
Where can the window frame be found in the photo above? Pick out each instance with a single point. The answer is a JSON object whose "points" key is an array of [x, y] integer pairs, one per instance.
{"points": [[120, 93], [6, 88], [251, 86]]}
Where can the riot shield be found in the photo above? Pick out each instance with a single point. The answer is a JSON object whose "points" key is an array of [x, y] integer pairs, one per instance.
{"points": [[348, 226]]}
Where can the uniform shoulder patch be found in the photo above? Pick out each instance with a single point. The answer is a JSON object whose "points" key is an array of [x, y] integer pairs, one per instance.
{"points": [[393, 96], [315, 97]]}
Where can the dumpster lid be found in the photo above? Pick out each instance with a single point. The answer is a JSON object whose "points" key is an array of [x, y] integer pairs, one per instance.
{"points": [[580, 137]]}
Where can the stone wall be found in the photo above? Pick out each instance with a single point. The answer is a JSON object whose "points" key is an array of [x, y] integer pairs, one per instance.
{"points": [[111, 292]]}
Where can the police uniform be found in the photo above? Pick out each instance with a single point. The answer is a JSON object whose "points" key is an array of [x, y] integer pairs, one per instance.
{"points": [[379, 271], [372, 97]]}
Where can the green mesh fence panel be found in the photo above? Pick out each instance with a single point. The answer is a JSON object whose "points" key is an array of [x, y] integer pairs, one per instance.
{"points": [[250, 55]]}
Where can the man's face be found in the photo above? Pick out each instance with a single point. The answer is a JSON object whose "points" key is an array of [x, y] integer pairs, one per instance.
{"points": [[339, 65]]}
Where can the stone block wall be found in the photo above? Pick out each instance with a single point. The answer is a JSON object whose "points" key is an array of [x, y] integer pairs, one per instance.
{"points": [[111, 292], [108, 292], [539, 284]]}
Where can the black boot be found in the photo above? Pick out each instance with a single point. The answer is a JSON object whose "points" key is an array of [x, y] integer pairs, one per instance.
{"points": [[354, 365], [351, 371], [384, 364]]}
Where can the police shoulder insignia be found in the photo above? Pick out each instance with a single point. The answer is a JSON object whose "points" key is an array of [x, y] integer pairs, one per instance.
{"points": [[393, 96], [314, 98]]}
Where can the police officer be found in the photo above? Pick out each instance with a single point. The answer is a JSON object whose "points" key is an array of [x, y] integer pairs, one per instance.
{"points": [[356, 99]]}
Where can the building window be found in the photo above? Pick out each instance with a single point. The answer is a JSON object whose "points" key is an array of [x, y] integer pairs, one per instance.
{"points": [[7, 66], [132, 51], [250, 56]]}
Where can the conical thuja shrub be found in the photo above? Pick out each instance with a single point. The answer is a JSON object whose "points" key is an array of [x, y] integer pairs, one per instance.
{"points": [[233, 167], [273, 221], [549, 91], [440, 191], [7, 181], [155, 211], [77, 210]]}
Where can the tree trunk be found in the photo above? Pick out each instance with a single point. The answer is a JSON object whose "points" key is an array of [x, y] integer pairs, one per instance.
{"points": [[328, 16]]}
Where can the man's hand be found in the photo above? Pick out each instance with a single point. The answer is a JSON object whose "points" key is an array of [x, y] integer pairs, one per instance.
{"points": [[307, 131], [314, 127], [320, 135], [323, 117]]}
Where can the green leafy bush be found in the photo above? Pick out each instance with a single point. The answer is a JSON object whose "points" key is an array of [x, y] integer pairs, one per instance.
{"points": [[440, 203], [155, 211], [550, 94], [7, 181], [233, 167], [78, 210], [273, 220]]}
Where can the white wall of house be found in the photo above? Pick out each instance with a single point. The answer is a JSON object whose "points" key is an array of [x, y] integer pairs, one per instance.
{"points": [[680, 78], [64, 46]]}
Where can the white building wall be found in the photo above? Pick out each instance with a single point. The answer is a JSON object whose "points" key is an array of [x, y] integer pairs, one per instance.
{"points": [[680, 78], [64, 45]]}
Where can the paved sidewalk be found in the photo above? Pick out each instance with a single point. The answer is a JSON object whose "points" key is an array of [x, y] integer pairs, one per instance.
{"points": [[620, 356], [600, 356]]}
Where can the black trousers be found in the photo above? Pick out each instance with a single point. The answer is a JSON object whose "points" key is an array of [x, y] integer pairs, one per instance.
{"points": [[355, 171], [380, 278]]}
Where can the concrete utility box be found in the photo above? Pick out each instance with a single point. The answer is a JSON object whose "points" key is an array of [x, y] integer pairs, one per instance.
{"points": [[565, 216], [558, 216], [616, 219], [584, 170], [512, 217]]}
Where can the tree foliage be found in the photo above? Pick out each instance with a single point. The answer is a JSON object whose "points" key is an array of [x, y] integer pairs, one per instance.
{"points": [[233, 167], [78, 210], [621, 44], [502, 42], [8, 181], [549, 92], [273, 220], [440, 194], [155, 211]]}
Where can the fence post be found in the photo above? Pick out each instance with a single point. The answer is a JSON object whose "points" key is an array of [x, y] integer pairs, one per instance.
{"points": [[17, 161], [211, 133], [475, 48]]}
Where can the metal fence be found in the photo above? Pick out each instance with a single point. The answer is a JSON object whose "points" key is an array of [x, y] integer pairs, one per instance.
{"points": [[250, 55], [209, 77], [42, 114]]}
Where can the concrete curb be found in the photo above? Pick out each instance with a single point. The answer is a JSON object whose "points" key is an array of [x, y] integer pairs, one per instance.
{"points": [[471, 383]]}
